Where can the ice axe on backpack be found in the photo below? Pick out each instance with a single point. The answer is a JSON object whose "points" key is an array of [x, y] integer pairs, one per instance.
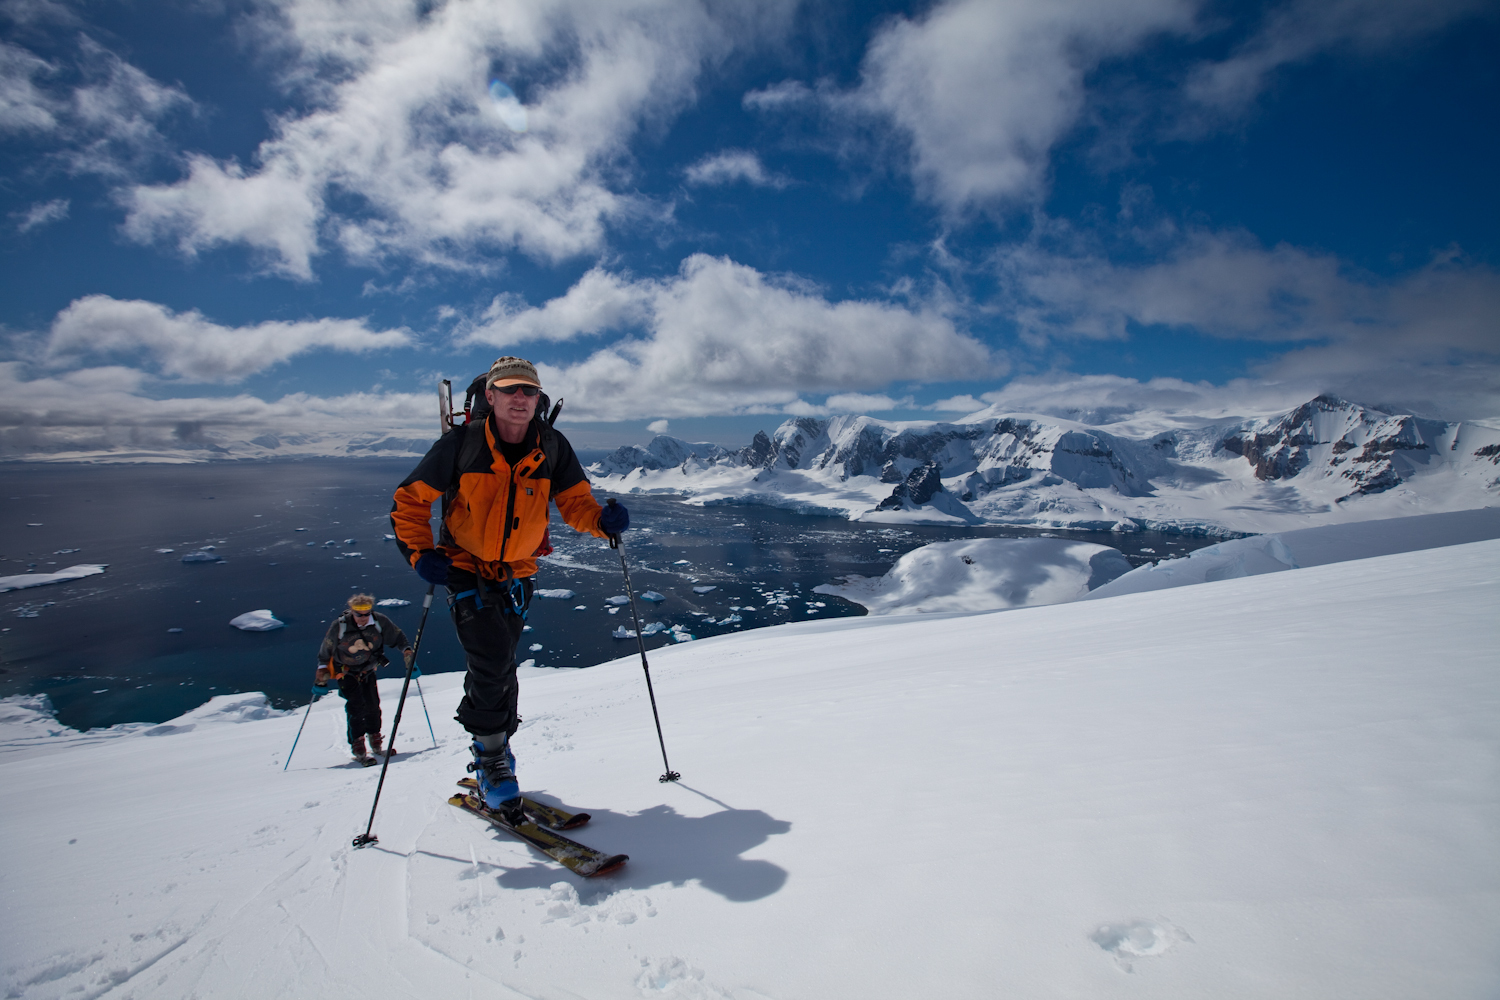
{"points": [[614, 543]]}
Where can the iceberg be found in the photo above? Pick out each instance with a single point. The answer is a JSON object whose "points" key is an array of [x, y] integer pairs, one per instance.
{"points": [[25, 581], [202, 556], [619, 600], [704, 590], [653, 596], [562, 595], [257, 621], [392, 602]]}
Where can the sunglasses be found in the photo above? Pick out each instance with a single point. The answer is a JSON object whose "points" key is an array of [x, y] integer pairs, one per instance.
{"points": [[511, 390]]}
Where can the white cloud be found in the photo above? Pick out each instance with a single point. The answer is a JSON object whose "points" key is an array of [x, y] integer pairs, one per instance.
{"points": [[732, 166], [108, 408], [24, 106], [1297, 30], [658, 426], [407, 129], [1427, 341], [188, 346], [957, 404], [983, 90], [41, 214], [96, 114], [720, 337]]}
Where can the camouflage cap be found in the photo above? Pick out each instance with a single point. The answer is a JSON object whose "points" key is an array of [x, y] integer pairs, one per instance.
{"points": [[510, 371]]}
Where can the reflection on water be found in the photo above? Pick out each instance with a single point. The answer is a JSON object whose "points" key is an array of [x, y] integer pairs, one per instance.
{"points": [[150, 638]]}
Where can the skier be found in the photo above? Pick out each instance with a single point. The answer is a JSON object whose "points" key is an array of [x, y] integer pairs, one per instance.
{"points": [[494, 526], [352, 651]]}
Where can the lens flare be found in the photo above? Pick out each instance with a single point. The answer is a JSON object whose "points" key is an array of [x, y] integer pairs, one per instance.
{"points": [[507, 106]]}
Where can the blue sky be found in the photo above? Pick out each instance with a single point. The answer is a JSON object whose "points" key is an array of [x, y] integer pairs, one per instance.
{"points": [[226, 218]]}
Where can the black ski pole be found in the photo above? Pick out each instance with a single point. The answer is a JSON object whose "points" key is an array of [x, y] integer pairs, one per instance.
{"points": [[315, 692], [614, 543], [367, 838]]}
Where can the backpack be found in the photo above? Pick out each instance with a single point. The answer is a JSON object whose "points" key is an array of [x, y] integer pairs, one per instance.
{"points": [[475, 412]]}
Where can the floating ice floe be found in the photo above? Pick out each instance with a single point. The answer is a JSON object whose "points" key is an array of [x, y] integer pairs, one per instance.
{"points": [[680, 634], [682, 562], [350, 555], [25, 581], [257, 621], [174, 630], [629, 633], [703, 590], [299, 529], [535, 646], [351, 541], [581, 607], [562, 595], [388, 538], [202, 556], [619, 600], [652, 595], [164, 551], [392, 602]]}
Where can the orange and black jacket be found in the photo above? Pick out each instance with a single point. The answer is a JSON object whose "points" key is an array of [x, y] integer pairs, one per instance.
{"points": [[495, 515]]}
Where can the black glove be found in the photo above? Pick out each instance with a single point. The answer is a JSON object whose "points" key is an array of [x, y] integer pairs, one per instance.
{"points": [[614, 518], [432, 566]]}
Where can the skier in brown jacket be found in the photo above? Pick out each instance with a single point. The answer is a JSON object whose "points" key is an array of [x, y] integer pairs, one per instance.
{"points": [[352, 651]]}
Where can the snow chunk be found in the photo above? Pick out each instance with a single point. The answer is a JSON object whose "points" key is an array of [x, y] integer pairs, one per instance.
{"points": [[257, 621], [985, 574], [562, 595], [25, 581]]}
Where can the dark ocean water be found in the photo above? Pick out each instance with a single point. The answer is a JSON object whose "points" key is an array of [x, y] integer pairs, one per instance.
{"points": [[102, 648]]}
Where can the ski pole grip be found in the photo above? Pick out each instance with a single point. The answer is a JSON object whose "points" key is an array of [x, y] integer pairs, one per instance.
{"points": [[614, 540]]}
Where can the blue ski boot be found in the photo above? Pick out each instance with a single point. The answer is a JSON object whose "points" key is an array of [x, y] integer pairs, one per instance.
{"points": [[496, 771]]}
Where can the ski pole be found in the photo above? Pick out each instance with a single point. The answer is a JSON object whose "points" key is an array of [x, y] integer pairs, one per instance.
{"points": [[417, 676], [315, 692], [614, 543], [367, 838]]}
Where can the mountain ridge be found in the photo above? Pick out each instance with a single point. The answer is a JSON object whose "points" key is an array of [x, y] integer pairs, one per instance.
{"points": [[1326, 460]]}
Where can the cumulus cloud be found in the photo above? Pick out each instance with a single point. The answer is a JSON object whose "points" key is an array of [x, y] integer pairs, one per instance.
{"points": [[658, 426], [189, 346], [982, 91], [720, 337], [732, 166], [409, 129], [1294, 31]]}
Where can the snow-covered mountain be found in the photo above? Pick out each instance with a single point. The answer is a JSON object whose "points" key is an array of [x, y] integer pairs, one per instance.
{"points": [[1326, 461]]}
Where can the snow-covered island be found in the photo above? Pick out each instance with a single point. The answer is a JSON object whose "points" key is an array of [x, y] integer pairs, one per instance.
{"points": [[1327, 461]]}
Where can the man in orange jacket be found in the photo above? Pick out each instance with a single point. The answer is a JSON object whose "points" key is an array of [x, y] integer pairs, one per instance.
{"points": [[494, 526]]}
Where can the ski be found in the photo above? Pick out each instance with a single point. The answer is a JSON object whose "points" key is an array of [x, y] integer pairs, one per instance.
{"points": [[572, 855], [545, 815]]}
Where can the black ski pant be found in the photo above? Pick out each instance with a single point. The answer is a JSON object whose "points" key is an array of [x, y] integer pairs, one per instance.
{"points": [[489, 617], [361, 702]]}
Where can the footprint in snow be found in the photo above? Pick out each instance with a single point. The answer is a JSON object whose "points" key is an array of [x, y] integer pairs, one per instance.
{"points": [[1135, 939]]}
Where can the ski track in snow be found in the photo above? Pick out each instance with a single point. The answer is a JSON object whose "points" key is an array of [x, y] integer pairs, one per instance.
{"points": [[1296, 774]]}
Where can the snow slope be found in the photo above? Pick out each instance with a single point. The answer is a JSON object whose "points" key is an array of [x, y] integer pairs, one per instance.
{"points": [[1281, 786], [1307, 547], [1327, 461]]}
